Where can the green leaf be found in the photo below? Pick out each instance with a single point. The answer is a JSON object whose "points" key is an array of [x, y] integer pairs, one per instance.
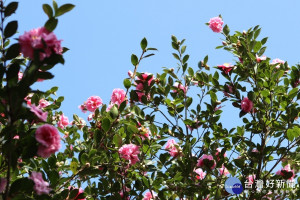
{"points": [[183, 48], [10, 8], [51, 24], [185, 58], [174, 39], [134, 60], [127, 83], [64, 9], [44, 75], [257, 46], [105, 124], [21, 185], [114, 112], [117, 140], [213, 96], [293, 93], [74, 166], [48, 10], [205, 60], [132, 129], [176, 56], [12, 52], [293, 133], [10, 29], [226, 30], [55, 5], [84, 158], [144, 43]]}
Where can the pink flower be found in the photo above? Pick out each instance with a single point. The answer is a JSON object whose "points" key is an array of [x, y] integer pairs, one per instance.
{"points": [[259, 59], [28, 99], [109, 107], [226, 67], [148, 196], [246, 105], [40, 186], [287, 169], [278, 62], [130, 152], [39, 113], [20, 75], [16, 137], [207, 159], [144, 133], [201, 174], [80, 191], [215, 24], [251, 178], [91, 116], [172, 147], [118, 96], [130, 74], [39, 39], [43, 103], [179, 86], [49, 140], [93, 103], [223, 171], [255, 151], [3, 183], [219, 152], [63, 121], [83, 107], [126, 189], [140, 84]]}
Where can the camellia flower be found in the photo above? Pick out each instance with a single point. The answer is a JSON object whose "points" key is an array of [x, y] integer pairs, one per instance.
{"points": [[140, 84], [3, 183], [226, 67], [287, 169], [118, 96], [80, 191], [49, 140], [39, 113], [130, 152], [43, 103], [172, 147], [130, 73], [40, 186], [208, 158], [246, 104], [39, 39], [259, 59], [63, 121], [219, 152], [215, 24], [148, 196], [201, 174], [251, 178], [20, 75], [122, 194], [93, 103], [179, 86], [223, 171], [144, 133], [83, 107], [278, 62]]}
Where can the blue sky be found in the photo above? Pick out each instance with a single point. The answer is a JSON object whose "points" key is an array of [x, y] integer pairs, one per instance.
{"points": [[102, 35]]}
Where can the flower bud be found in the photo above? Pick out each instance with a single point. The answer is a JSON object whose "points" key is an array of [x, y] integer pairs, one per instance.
{"points": [[224, 43]]}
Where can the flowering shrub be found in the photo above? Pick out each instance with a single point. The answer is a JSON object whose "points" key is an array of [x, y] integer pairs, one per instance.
{"points": [[153, 140]]}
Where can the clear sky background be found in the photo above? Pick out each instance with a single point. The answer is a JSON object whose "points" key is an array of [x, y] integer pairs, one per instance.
{"points": [[102, 35]]}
